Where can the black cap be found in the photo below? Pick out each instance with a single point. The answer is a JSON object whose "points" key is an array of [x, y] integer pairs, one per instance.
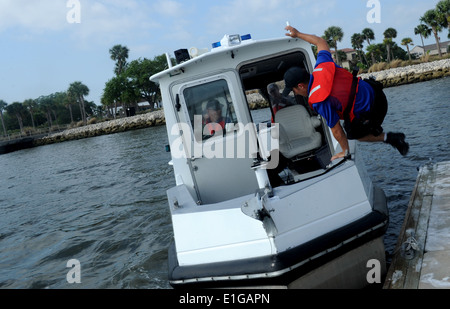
{"points": [[214, 104], [293, 77]]}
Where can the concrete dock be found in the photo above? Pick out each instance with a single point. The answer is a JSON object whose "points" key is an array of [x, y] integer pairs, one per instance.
{"points": [[422, 256]]}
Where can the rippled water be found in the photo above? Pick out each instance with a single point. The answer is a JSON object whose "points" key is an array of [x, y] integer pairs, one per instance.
{"points": [[422, 112], [103, 201], [100, 200]]}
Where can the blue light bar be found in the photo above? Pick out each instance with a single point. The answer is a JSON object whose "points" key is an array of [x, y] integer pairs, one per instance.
{"points": [[230, 40]]}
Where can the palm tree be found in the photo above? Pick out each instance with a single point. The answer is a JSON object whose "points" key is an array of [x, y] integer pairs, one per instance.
{"points": [[69, 100], [78, 90], [374, 50], [406, 42], [368, 35], [357, 43], [333, 35], [389, 34], [119, 54], [431, 19], [46, 106], [443, 12], [30, 105], [18, 110], [3, 105], [423, 31]]}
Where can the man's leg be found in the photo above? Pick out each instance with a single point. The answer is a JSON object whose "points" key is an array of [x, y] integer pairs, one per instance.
{"points": [[396, 140]]}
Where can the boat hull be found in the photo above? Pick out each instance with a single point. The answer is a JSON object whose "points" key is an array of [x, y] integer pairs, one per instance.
{"points": [[337, 259]]}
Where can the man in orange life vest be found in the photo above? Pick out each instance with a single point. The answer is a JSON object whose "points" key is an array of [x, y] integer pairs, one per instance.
{"points": [[337, 95]]}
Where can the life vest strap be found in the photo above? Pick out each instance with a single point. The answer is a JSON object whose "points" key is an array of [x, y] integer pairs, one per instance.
{"points": [[352, 96]]}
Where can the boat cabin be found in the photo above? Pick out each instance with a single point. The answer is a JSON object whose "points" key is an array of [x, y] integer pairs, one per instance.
{"points": [[217, 133]]}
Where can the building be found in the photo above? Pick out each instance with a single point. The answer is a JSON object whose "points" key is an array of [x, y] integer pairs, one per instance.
{"points": [[352, 56], [431, 48]]}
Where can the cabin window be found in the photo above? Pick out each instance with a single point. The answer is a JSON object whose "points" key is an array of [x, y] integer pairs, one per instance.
{"points": [[210, 108]]}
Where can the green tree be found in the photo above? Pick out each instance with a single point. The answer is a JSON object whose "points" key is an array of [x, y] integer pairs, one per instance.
{"points": [[357, 41], [78, 90], [368, 35], [3, 105], [113, 92], [19, 111], [406, 42], [31, 105], [333, 35], [119, 54], [70, 100], [389, 34], [375, 51], [46, 106], [430, 18], [443, 14], [424, 31], [139, 72]]}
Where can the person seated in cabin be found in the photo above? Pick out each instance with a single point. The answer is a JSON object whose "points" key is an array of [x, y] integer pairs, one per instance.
{"points": [[278, 101], [213, 120], [337, 95]]}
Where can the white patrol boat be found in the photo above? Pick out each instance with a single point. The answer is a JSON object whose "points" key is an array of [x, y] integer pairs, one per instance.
{"points": [[257, 202]]}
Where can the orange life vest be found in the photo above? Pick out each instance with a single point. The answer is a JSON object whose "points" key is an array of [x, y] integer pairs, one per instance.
{"points": [[331, 81], [213, 127]]}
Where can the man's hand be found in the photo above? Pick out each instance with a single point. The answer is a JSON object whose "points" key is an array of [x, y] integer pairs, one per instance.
{"points": [[338, 155], [340, 136], [310, 38], [293, 33]]}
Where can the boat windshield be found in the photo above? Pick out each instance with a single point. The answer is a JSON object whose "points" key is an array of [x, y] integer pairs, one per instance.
{"points": [[210, 107]]}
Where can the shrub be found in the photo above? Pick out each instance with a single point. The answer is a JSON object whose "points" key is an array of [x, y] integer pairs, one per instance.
{"points": [[395, 64], [93, 120], [425, 57]]}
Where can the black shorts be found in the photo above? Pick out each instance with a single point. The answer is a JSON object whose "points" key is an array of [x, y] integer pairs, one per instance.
{"points": [[369, 123]]}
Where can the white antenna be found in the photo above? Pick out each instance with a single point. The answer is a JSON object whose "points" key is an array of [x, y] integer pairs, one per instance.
{"points": [[169, 62]]}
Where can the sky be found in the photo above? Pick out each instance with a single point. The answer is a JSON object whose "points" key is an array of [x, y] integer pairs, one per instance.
{"points": [[46, 45]]}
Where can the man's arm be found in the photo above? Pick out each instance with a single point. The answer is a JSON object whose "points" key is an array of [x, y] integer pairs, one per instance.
{"points": [[310, 38], [340, 136]]}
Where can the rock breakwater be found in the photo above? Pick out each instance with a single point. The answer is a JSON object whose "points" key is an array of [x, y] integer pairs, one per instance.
{"points": [[411, 74], [108, 127]]}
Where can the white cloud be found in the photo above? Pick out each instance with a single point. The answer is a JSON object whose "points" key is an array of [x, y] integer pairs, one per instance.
{"points": [[169, 8], [101, 20], [35, 16], [270, 15]]}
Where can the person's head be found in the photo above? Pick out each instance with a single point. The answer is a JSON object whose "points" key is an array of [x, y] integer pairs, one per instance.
{"points": [[297, 80], [214, 109], [273, 90]]}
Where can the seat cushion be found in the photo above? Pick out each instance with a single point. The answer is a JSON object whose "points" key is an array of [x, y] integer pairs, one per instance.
{"points": [[297, 132]]}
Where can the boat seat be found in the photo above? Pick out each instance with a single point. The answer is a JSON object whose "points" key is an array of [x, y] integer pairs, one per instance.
{"points": [[297, 131]]}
